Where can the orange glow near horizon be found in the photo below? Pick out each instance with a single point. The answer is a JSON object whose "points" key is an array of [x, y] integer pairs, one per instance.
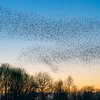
{"points": [[83, 75]]}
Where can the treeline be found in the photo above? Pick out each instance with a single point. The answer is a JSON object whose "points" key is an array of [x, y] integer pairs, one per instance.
{"points": [[16, 84]]}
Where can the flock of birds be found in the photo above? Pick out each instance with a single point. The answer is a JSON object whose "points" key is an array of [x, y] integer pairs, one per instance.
{"points": [[61, 39]]}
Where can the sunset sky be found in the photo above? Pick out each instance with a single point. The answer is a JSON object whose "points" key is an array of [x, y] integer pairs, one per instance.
{"points": [[61, 37]]}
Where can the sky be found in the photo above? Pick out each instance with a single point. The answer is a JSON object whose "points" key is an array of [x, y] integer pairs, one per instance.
{"points": [[57, 36], [55, 7]]}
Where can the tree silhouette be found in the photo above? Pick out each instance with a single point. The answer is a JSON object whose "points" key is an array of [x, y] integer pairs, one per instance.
{"points": [[44, 82], [59, 90], [59, 86], [69, 85], [4, 78], [16, 84]]}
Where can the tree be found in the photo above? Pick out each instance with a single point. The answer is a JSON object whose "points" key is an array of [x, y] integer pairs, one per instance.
{"points": [[74, 92], [87, 92], [87, 89], [22, 84], [44, 82], [15, 83], [29, 87], [69, 85], [4, 78], [59, 91], [59, 87]]}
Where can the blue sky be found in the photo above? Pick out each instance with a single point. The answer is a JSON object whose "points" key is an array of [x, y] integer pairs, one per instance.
{"points": [[55, 7], [50, 30], [41, 42]]}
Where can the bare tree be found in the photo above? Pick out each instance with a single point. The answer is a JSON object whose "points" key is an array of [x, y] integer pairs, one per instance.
{"points": [[59, 90], [69, 84], [59, 87], [44, 82], [87, 89]]}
